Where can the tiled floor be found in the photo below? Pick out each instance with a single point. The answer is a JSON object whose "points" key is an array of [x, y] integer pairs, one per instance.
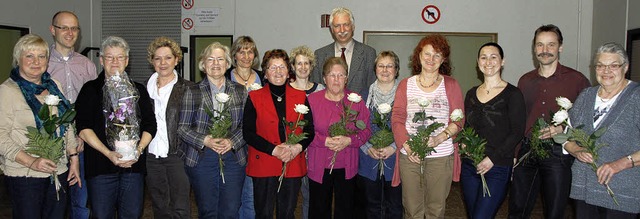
{"points": [[455, 208]]}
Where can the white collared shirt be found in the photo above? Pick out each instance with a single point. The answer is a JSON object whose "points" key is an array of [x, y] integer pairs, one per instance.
{"points": [[159, 146], [348, 52]]}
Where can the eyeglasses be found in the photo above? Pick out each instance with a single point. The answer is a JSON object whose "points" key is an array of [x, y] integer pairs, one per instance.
{"points": [[276, 67], [389, 66], [112, 58], [613, 67], [74, 29], [338, 76]]}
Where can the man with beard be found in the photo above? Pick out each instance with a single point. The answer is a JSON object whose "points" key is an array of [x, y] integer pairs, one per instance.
{"points": [[540, 87], [360, 58]]}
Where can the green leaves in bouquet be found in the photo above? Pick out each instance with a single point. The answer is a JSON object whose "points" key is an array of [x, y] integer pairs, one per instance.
{"points": [[539, 147], [292, 137], [474, 145], [44, 145], [381, 139], [221, 122], [418, 142]]}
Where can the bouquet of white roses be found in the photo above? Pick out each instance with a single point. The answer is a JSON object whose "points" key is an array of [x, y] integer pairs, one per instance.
{"points": [[48, 141], [221, 120], [120, 98], [383, 137], [292, 137], [418, 142], [578, 135], [539, 148], [348, 116], [255, 86]]}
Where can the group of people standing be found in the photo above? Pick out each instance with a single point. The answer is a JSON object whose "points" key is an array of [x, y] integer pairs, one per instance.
{"points": [[229, 137]]}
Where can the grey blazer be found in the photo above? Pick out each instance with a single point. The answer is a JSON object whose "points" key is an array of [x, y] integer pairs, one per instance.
{"points": [[361, 69]]}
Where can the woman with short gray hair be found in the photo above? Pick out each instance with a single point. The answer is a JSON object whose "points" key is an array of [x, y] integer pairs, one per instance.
{"points": [[613, 104]]}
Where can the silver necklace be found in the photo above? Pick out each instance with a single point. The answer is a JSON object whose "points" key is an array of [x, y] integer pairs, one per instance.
{"points": [[278, 97]]}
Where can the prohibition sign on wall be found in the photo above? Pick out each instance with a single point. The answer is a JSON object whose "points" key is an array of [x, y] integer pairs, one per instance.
{"points": [[187, 23], [187, 4], [430, 14]]}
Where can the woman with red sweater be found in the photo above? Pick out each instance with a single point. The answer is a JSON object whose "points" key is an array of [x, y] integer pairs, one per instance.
{"points": [[266, 114]]}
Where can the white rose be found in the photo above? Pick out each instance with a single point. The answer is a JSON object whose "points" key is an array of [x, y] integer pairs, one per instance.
{"points": [[560, 117], [52, 100], [255, 86], [301, 108], [222, 97], [456, 115], [384, 108], [354, 97], [423, 102], [564, 103]]}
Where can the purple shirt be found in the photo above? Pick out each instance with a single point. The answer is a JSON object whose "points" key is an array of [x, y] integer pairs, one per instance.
{"points": [[325, 113], [71, 73]]}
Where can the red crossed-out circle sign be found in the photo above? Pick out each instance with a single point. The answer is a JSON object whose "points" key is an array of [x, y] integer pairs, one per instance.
{"points": [[430, 14], [187, 4], [187, 23]]}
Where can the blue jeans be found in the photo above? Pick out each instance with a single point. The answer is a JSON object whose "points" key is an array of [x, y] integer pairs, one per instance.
{"points": [[247, 210], [214, 198], [36, 197], [78, 195], [304, 189], [479, 205], [121, 192]]}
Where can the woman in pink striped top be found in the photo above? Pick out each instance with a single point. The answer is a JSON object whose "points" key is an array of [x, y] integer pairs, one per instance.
{"points": [[431, 69]]}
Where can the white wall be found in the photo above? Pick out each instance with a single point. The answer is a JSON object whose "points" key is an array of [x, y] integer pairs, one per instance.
{"points": [[37, 14], [634, 16], [286, 24]]}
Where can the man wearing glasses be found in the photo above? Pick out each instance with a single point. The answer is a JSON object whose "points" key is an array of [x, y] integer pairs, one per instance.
{"points": [[72, 70], [550, 175]]}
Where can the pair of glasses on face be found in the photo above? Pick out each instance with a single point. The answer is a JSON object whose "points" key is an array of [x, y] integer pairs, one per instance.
{"points": [[112, 58], [74, 29], [276, 67], [613, 67], [389, 66], [337, 76]]}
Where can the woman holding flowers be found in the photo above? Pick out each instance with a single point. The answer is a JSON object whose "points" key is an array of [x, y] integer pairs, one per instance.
{"points": [[28, 176], [215, 155], [167, 181], [430, 92], [277, 135], [341, 123], [613, 104], [495, 111], [378, 155], [115, 118]]}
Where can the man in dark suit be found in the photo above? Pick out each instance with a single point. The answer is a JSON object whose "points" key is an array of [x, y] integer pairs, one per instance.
{"points": [[359, 57]]}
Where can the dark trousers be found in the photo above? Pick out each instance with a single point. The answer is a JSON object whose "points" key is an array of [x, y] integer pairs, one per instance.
{"points": [[381, 199], [587, 211], [36, 197], [266, 195], [322, 194], [551, 176], [121, 192], [477, 203], [168, 186]]}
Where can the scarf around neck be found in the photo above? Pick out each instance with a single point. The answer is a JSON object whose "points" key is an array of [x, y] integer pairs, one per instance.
{"points": [[30, 90]]}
